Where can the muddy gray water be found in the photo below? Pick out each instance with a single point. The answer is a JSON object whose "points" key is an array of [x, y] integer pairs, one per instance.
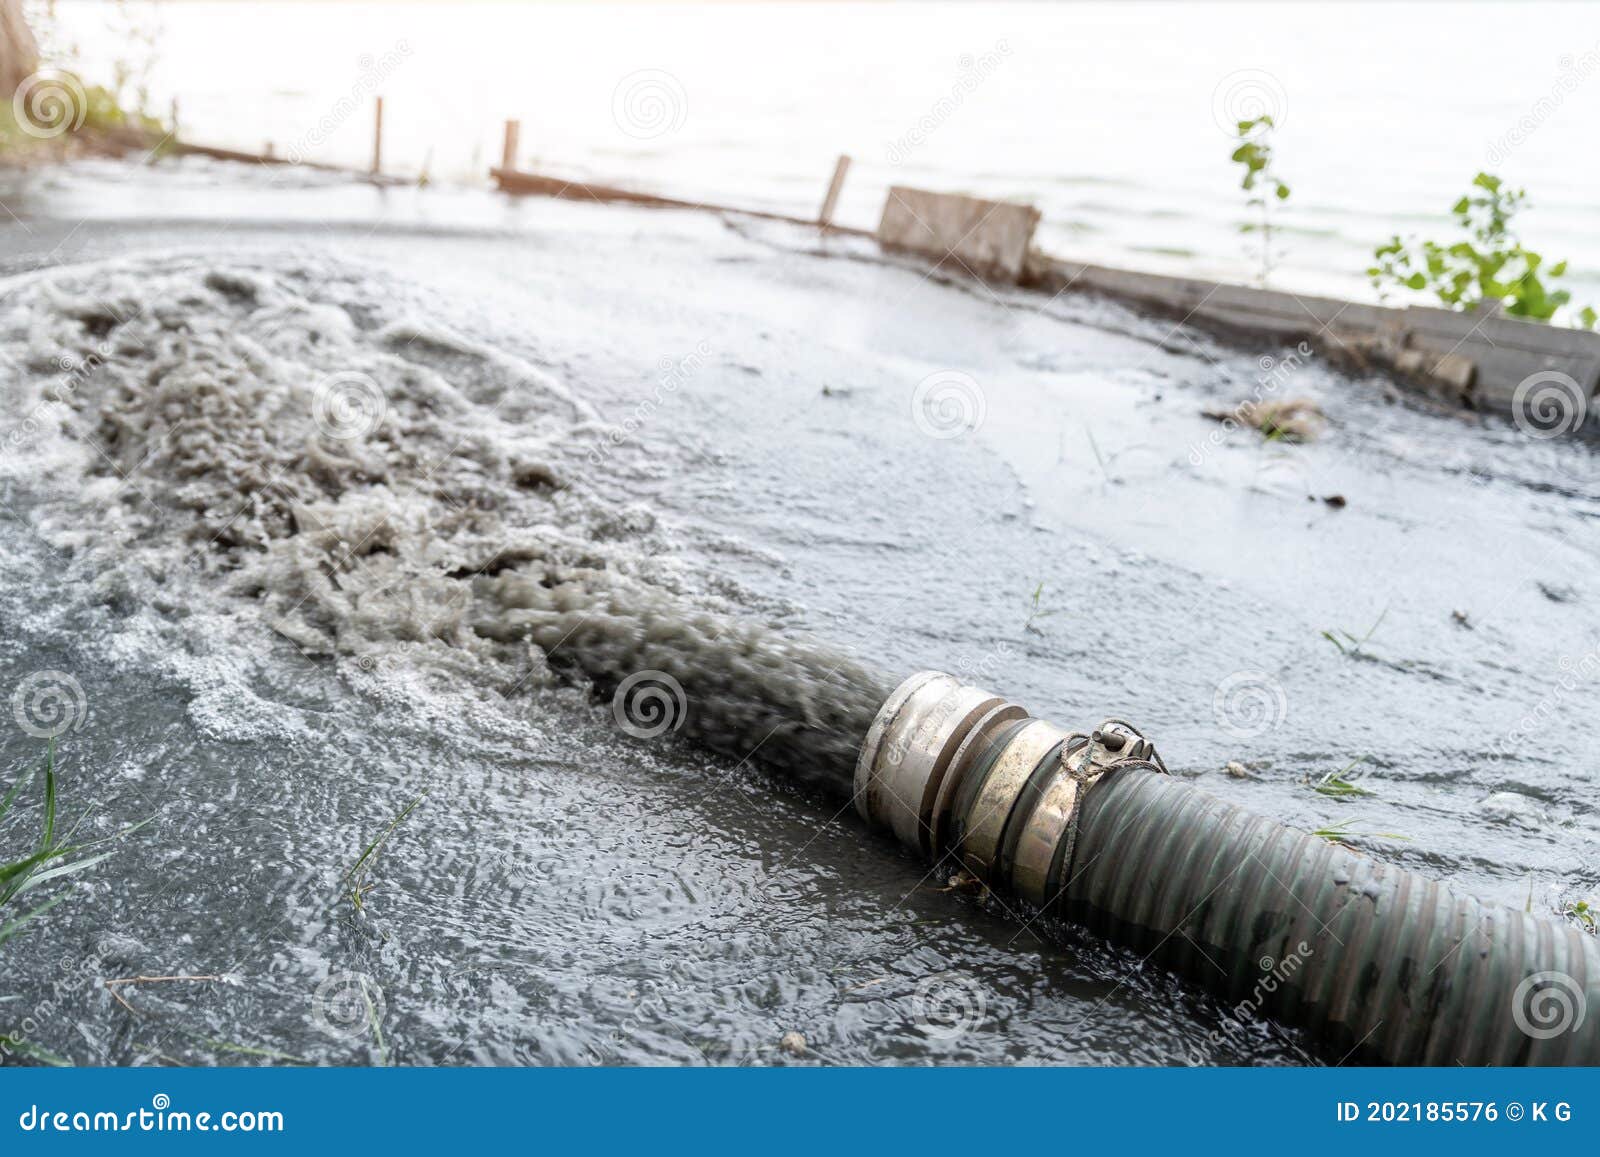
{"points": [[283, 638]]}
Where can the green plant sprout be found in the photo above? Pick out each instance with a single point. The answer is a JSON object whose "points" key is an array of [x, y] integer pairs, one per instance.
{"points": [[1266, 189], [1035, 611], [1338, 833], [1337, 785], [1490, 266], [51, 856], [51, 859], [1581, 913], [1349, 644]]}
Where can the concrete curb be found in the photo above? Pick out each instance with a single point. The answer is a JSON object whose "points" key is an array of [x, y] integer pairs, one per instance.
{"points": [[1477, 360]]}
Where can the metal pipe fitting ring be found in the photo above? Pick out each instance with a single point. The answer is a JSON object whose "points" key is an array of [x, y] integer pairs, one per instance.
{"points": [[881, 723], [967, 767], [964, 799], [985, 821], [904, 763], [1045, 773], [1042, 837]]}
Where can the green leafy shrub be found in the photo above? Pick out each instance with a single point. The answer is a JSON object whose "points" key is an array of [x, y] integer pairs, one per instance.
{"points": [[1490, 265]]}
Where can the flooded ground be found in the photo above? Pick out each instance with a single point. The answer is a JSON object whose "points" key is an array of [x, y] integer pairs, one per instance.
{"points": [[920, 473]]}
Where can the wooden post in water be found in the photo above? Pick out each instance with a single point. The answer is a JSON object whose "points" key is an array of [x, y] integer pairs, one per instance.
{"points": [[377, 137], [508, 152], [831, 201]]}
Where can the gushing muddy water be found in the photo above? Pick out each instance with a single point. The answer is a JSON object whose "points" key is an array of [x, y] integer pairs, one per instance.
{"points": [[326, 518]]}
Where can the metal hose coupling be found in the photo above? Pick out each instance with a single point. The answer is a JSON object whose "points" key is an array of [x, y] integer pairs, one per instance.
{"points": [[956, 771]]}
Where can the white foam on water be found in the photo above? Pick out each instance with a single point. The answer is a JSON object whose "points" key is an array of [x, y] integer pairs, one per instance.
{"points": [[287, 445]]}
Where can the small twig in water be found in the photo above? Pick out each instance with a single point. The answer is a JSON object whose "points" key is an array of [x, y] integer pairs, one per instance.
{"points": [[118, 982], [1098, 457]]}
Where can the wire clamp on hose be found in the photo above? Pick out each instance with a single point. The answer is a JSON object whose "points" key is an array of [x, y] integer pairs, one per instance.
{"points": [[1050, 833], [1114, 742]]}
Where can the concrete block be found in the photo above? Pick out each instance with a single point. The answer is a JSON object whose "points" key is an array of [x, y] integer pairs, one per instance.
{"points": [[987, 238]]}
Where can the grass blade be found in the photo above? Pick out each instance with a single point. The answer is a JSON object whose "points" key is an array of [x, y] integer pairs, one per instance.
{"points": [[11, 927]]}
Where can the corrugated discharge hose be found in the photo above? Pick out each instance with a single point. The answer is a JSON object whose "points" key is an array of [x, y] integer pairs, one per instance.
{"points": [[1396, 969], [1381, 965]]}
